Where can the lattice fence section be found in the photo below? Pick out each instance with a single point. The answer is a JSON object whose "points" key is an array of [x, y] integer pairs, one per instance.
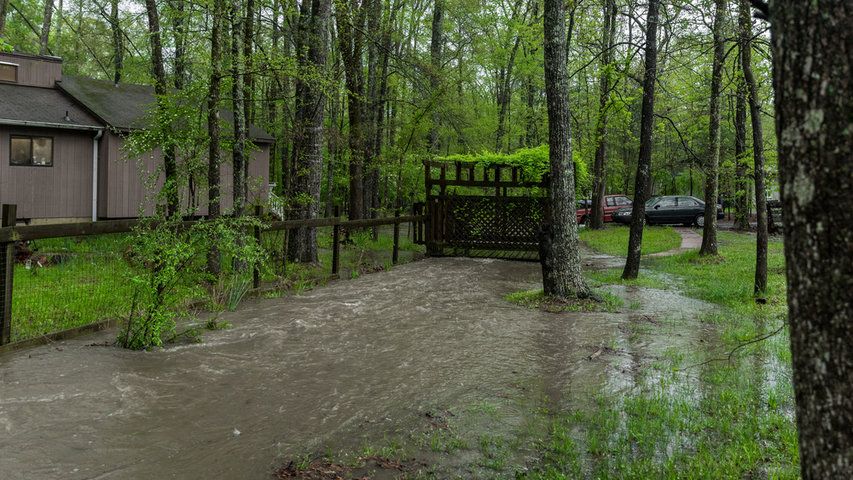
{"points": [[496, 223]]}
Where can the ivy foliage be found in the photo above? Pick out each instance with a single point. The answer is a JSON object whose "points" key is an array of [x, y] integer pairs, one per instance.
{"points": [[533, 163]]}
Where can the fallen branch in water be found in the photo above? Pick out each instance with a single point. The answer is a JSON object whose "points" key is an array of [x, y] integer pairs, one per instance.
{"points": [[728, 357]]}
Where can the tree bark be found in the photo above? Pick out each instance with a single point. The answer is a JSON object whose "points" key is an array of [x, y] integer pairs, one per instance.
{"points": [[757, 151], [3, 6], [350, 21], [741, 200], [599, 180], [238, 107], [118, 42], [308, 125], [170, 187], [812, 67], [436, 47], [213, 128], [709, 230], [44, 49], [181, 26], [561, 264], [644, 163]]}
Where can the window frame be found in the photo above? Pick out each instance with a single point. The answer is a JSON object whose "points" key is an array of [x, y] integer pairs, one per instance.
{"points": [[17, 72], [31, 138]]}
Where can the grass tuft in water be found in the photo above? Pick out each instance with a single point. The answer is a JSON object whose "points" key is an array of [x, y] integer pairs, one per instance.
{"points": [[536, 299]]}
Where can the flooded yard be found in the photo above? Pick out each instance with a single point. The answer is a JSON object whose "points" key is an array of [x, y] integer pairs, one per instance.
{"points": [[378, 360]]}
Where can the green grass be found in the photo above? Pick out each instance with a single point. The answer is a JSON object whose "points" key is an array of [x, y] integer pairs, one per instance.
{"points": [[536, 299], [693, 413], [613, 240]]}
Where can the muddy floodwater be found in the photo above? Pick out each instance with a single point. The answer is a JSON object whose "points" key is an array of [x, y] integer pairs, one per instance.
{"points": [[351, 362]]}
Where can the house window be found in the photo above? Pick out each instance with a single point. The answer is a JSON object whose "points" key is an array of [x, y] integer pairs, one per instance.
{"points": [[31, 151], [8, 72]]}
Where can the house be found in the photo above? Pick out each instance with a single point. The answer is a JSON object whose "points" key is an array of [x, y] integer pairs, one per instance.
{"points": [[61, 146]]}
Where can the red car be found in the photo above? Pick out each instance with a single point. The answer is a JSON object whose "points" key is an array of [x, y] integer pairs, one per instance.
{"points": [[611, 204]]}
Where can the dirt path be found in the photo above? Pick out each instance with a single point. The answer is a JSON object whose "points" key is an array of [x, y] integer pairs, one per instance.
{"points": [[690, 240], [353, 362]]}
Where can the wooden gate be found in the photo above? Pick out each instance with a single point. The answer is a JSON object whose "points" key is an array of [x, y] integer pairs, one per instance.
{"points": [[483, 211]]}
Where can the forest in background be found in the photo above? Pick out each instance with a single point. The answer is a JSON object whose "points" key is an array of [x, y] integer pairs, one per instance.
{"points": [[398, 81]]}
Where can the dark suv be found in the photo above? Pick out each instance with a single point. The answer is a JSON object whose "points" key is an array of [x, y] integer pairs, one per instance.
{"points": [[670, 209]]}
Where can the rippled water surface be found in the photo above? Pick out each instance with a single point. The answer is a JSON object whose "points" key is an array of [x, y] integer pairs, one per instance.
{"points": [[355, 359]]}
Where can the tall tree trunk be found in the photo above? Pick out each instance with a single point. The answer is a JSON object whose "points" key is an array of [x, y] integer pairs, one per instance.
{"points": [[213, 128], [504, 94], [238, 107], [741, 200], [170, 187], [118, 42], [3, 6], [436, 47], [709, 230], [308, 127], [644, 162], [45, 28], [599, 180], [248, 60], [180, 25], [350, 21], [757, 149], [812, 66], [561, 264]]}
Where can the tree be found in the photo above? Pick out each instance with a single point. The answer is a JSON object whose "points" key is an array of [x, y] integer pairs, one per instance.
{"points": [[811, 69], [213, 128], [741, 184], [118, 42], [3, 4], [561, 265], [44, 49], [641, 193], [436, 46], [170, 187], [709, 229], [757, 148], [350, 18], [238, 103], [598, 180], [308, 125]]}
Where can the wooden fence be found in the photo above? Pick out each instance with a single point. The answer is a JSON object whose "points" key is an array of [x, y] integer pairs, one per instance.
{"points": [[10, 233]]}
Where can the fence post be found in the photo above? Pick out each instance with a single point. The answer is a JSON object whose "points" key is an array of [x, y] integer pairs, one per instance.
{"points": [[395, 253], [7, 270], [256, 271], [336, 242]]}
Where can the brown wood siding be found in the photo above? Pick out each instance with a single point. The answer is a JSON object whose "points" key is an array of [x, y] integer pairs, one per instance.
{"points": [[35, 71], [61, 191], [123, 188]]}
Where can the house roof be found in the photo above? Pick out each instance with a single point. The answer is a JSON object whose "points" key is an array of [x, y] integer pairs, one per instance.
{"points": [[46, 107], [125, 106]]}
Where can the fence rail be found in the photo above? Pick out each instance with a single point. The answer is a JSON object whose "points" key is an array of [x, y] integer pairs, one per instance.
{"points": [[10, 234]]}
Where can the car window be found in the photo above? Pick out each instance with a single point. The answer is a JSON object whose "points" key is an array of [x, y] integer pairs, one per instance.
{"points": [[686, 202], [667, 202], [623, 201], [609, 201]]}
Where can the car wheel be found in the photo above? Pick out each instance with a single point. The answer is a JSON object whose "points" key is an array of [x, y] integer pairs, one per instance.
{"points": [[700, 220]]}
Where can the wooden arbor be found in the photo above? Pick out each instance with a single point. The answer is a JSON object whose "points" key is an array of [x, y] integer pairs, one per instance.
{"points": [[483, 210]]}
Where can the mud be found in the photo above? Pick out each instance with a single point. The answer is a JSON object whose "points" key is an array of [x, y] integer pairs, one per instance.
{"points": [[355, 361]]}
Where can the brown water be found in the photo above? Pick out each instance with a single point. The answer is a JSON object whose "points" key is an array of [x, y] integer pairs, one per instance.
{"points": [[353, 361]]}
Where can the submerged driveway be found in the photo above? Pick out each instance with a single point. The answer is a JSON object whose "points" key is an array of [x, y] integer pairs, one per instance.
{"points": [[354, 360]]}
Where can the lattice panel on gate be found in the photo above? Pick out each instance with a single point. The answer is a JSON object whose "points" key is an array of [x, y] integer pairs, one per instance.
{"points": [[495, 223]]}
